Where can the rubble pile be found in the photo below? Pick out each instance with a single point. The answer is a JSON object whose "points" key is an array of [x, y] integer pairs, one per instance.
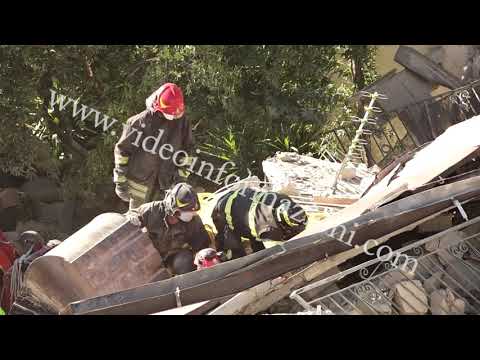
{"points": [[445, 281], [311, 179]]}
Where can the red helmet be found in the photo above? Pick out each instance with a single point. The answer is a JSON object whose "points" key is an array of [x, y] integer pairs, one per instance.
{"points": [[206, 258], [169, 101]]}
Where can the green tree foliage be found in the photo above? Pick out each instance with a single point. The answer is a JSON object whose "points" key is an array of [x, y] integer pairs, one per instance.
{"points": [[245, 101]]}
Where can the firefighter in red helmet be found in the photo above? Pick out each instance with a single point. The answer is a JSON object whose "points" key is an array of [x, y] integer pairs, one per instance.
{"points": [[152, 153]]}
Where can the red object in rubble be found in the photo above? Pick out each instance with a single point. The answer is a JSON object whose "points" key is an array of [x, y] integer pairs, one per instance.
{"points": [[7, 257], [7, 253], [206, 258], [6, 299]]}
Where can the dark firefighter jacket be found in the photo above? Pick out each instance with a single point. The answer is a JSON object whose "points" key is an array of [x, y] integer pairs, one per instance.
{"points": [[168, 239], [250, 214], [146, 138]]}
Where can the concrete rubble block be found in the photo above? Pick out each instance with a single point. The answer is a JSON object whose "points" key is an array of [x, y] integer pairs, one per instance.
{"points": [[285, 305], [42, 189], [348, 172], [390, 279], [322, 311], [453, 277], [444, 302], [411, 298]]}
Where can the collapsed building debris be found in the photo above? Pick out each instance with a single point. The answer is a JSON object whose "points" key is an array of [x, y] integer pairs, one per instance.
{"points": [[243, 273], [413, 292], [308, 180], [375, 216], [406, 177], [421, 201]]}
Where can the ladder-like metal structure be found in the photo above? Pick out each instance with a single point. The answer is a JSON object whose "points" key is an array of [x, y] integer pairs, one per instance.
{"points": [[356, 150]]}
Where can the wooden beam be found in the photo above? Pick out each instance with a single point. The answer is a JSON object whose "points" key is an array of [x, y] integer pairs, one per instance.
{"points": [[426, 68]]}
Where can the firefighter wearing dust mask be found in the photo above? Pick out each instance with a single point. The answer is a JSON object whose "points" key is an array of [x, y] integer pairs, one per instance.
{"points": [[174, 227]]}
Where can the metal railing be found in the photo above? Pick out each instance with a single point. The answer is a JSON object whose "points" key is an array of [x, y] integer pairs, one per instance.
{"points": [[433, 278], [393, 136]]}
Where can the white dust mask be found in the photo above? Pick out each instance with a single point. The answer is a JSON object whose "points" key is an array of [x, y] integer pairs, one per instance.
{"points": [[186, 216]]}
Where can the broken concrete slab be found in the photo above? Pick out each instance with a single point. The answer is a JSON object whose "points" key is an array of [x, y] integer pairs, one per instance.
{"points": [[425, 67], [411, 298], [392, 278], [462, 61], [444, 302]]}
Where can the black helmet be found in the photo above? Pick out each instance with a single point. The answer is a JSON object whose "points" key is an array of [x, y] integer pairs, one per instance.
{"points": [[182, 197], [291, 215]]}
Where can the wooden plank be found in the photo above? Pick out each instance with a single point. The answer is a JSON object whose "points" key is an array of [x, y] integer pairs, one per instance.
{"points": [[426, 68]]}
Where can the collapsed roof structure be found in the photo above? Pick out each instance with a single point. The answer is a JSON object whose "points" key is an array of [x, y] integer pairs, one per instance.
{"points": [[418, 195]]}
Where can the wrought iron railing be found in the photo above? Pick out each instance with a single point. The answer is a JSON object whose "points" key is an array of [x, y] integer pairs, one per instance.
{"points": [[393, 135], [432, 278]]}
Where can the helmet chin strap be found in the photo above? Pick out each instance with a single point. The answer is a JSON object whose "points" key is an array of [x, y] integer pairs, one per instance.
{"points": [[169, 117], [172, 117]]}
